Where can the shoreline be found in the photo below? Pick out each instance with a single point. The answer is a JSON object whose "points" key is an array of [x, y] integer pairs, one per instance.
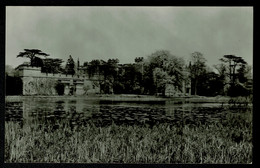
{"points": [[124, 97]]}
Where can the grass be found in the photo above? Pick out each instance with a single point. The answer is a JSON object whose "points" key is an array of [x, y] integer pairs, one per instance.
{"points": [[228, 141]]}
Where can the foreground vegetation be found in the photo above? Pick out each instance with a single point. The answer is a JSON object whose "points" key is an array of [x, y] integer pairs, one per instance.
{"points": [[228, 141]]}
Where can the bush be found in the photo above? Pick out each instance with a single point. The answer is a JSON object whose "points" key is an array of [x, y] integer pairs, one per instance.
{"points": [[238, 90], [118, 88]]}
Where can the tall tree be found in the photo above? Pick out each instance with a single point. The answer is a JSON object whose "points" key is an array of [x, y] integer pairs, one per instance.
{"points": [[236, 69], [130, 76], [222, 76], [160, 68], [93, 67], [161, 78], [51, 65], [111, 69], [111, 72], [233, 62], [197, 69], [70, 65], [33, 55], [174, 66]]}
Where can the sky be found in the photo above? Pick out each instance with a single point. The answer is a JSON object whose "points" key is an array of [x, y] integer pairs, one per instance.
{"points": [[88, 33]]}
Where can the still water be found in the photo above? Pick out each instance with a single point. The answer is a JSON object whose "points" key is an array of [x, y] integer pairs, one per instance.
{"points": [[102, 113]]}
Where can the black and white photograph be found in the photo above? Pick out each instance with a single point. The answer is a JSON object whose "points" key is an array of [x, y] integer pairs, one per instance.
{"points": [[129, 84]]}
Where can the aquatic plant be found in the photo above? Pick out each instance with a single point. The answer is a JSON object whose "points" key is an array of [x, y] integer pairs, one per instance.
{"points": [[229, 141]]}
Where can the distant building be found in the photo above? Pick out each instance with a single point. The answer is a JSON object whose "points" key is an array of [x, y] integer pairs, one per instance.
{"points": [[37, 83]]}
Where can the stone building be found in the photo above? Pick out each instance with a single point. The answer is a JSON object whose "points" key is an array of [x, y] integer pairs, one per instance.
{"points": [[37, 83]]}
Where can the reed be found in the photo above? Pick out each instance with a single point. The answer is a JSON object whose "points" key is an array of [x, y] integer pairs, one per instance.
{"points": [[221, 142]]}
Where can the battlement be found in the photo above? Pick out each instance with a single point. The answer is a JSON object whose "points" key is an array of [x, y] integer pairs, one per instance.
{"points": [[36, 82], [28, 71]]}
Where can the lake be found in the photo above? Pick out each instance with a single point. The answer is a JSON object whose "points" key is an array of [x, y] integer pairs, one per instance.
{"points": [[102, 113], [81, 130]]}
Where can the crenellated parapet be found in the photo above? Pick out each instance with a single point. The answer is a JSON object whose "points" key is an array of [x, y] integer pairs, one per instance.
{"points": [[36, 82]]}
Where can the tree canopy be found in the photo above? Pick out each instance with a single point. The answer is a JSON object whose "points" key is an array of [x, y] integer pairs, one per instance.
{"points": [[197, 69], [236, 70], [33, 55], [162, 68], [70, 65], [51, 65], [155, 73]]}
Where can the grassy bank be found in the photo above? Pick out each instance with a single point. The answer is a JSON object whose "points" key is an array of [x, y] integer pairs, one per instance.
{"points": [[222, 142], [124, 97]]}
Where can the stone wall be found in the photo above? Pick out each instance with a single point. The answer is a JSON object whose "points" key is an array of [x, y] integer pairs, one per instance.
{"points": [[39, 86], [46, 86], [37, 83]]}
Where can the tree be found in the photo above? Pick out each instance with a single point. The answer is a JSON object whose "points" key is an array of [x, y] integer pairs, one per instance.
{"points": [[111, 72], [210, 84], [244, 73], [235, 75], [233, 62], [33, 55], [139, 59], [107, 73], [70, 65], [222, 70], [93, 67], [222, 77], [197, 68], [51, 65], [161, 78], [131, 78], [174, 66], [160, 65], [111, 69]]}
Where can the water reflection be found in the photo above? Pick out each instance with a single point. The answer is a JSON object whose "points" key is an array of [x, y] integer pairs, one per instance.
{"points": [[101, 113]]}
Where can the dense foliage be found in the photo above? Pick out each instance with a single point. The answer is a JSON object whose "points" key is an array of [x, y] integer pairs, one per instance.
{"points": [[70, 65], [51, 65], [153, 74], [238, 73], [33, 55], [163, 68]]}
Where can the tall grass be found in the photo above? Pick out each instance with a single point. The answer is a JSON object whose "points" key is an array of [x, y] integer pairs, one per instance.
{"points": [[229, 141]]}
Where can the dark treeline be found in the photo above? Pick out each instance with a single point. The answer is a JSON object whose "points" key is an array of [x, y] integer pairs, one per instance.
{"points": [[153, 74]]}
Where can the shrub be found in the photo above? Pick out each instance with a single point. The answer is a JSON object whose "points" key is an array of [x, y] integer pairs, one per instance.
{"points": [[238, 90]]}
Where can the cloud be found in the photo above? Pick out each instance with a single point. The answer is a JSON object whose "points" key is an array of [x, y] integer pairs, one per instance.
{"points": [[127, 32]]}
